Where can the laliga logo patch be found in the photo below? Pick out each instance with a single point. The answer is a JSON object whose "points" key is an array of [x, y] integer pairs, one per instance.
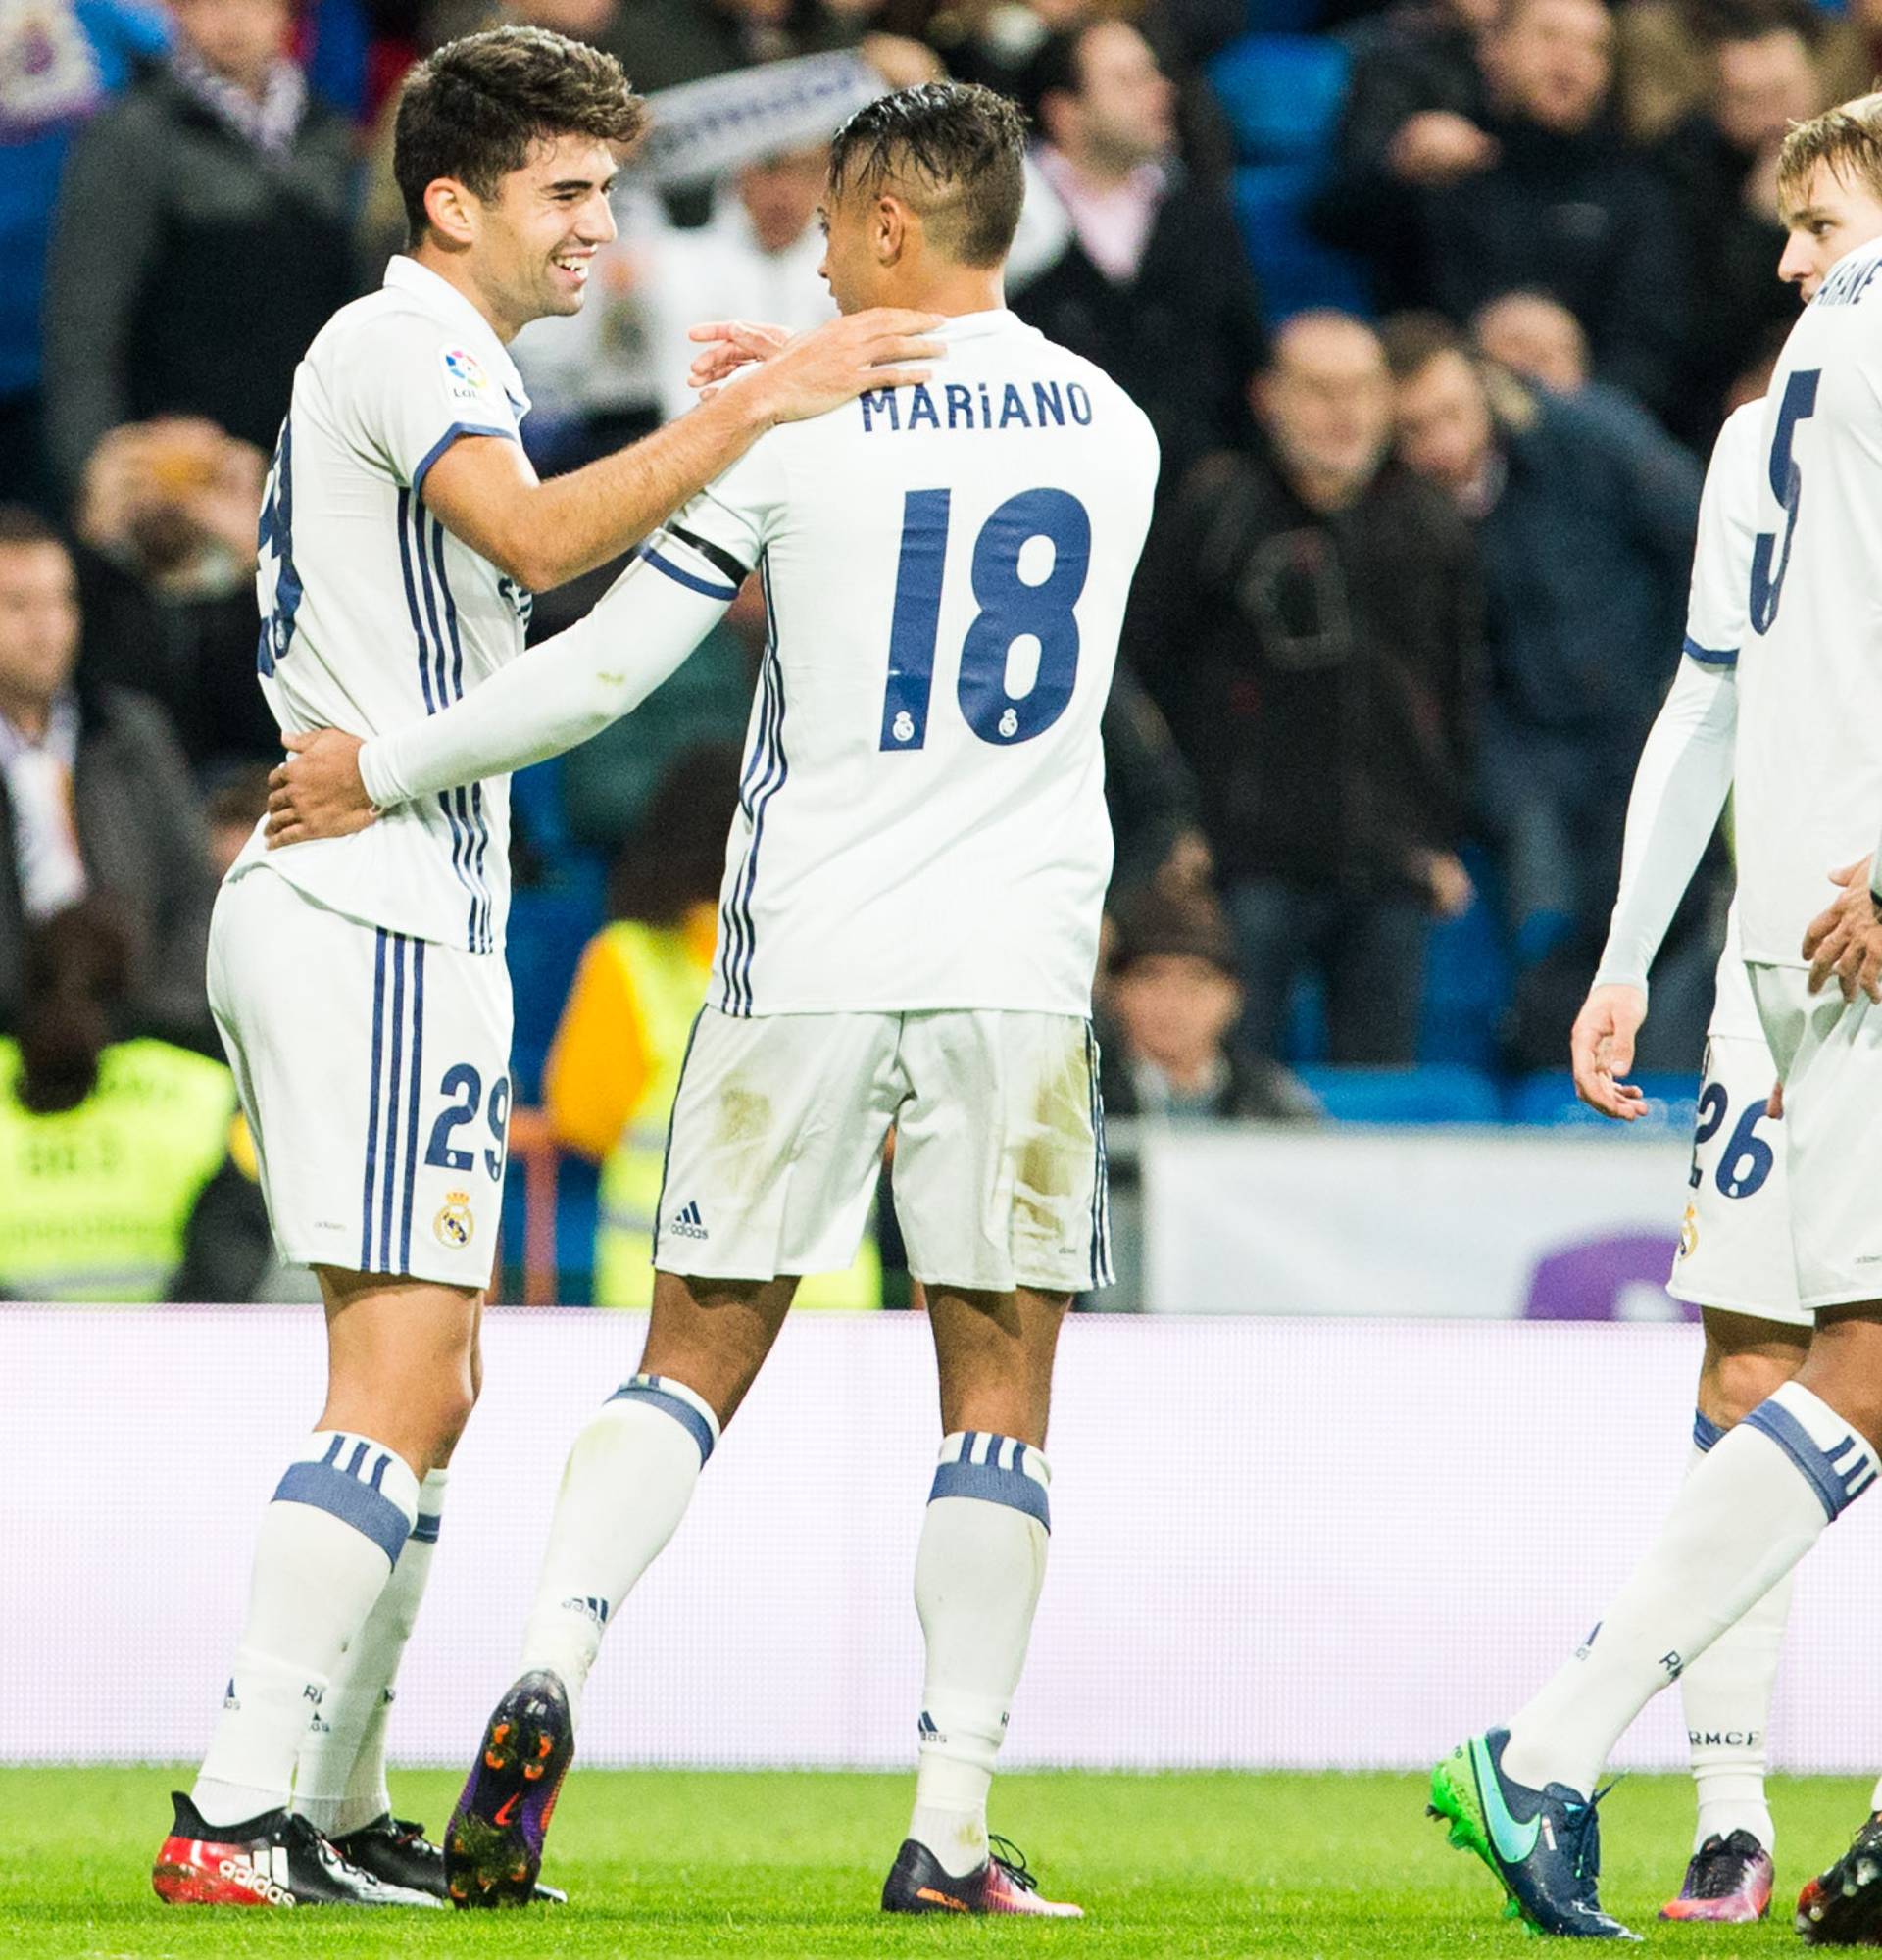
{"points": [[1689, 1232], [455, 1223], [464, 377]]}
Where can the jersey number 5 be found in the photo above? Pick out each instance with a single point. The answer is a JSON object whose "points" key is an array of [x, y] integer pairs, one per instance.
{"points": [[274, 544], [1787, 486], [1011, 608]]}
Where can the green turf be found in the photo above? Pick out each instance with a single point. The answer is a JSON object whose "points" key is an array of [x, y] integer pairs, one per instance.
{"points": [[679, 1865]]}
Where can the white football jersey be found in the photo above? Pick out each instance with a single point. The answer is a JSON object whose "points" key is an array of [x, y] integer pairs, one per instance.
{"points": [[373, 614], [921, 821], [1809, 768], [1715, 632]]}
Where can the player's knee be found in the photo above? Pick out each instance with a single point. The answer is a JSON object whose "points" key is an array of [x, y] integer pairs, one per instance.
{"points": [[1734, 1384]]}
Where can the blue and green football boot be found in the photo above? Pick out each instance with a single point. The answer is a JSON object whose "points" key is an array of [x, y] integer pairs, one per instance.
{"points": [[1543, 1844]]}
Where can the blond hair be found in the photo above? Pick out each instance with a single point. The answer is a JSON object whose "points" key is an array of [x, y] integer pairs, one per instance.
{"points": [[1848, 138]]}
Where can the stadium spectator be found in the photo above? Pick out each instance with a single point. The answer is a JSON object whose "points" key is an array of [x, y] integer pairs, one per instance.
{"points": [[116, 1180], [1152, 283], [614, 1069], [59, 62], [165, 530], [203, 237], [1540, 340], [1166, 1018], [95, 798], [1722, 163], [1586, 528], [1564, 205], [1413, 120], [1307, 618]]}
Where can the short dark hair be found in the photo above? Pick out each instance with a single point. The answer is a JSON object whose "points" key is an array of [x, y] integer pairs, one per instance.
{"points": [[954, 150], [474, 110], [20, 526], [1413, 340]]}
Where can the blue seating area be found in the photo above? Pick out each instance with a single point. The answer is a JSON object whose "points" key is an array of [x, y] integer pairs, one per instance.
{"points": [[1281, 92]]}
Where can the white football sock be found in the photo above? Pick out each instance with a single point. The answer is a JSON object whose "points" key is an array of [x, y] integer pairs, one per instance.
{"points": [[1741, 1521], [1726, 1694], [629, 1479], [977, 1575], [340, 1781], [327, 1545]]}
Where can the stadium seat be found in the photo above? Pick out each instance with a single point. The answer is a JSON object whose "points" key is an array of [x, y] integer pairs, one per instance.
{"points": [[1436, 1095], [1283, 95], [1466, 978], [1551, 1100], [1295, 269]]}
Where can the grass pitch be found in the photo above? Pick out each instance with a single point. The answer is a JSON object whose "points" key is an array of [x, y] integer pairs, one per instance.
{"points": [[664, 1864]]}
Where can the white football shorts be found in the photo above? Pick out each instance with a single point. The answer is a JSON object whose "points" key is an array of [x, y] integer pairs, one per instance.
{"points": [[1829, 1052], [780, 1121], [1735, 1238], [374, 1069]]}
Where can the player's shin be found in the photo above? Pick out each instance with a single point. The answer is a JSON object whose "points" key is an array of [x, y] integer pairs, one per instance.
{"points": [[628, 1482], [977, 1577], [1743, 1519], [1726, 1694], [340, 1781], [327, 1545]]}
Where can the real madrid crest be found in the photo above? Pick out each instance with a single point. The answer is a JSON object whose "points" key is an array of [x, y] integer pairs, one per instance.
{"points": [[1689, 1232], [456, 1223]]}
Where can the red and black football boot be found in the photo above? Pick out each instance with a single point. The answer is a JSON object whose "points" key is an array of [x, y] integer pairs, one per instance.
{"points": [[1729, 1879], [398, 1851], [493, 1845], [917, 1883], [1843, 1906], [273, 1859]]}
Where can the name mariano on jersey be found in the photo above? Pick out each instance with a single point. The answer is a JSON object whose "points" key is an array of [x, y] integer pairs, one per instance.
{"points": [[921, 820]]}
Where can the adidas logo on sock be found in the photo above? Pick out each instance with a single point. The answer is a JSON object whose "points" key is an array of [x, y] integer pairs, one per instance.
{"points": [[596, 1610], [229, 1694], [686, 1223], [926, 1730]]}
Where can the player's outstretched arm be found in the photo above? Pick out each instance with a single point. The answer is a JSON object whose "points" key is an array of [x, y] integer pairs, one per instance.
{"points": [[483, 490], [1680, 785], [560, 694]]}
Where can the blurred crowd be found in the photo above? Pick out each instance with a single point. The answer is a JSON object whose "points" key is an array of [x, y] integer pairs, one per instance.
{"points": [[1436, 306]]}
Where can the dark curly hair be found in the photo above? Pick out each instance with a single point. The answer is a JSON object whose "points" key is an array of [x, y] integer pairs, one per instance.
{"points": [[953, 151], [474, 110]]}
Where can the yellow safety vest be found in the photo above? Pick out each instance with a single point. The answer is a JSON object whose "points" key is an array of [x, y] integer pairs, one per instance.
{"points": [[95, 1203], [667, 983]]}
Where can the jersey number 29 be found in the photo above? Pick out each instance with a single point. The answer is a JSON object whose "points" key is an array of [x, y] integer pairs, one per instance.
{"points": [[1011, 608]]}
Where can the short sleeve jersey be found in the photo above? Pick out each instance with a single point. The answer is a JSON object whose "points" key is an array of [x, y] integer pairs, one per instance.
{"points": [[922, 819], [373, 614], [1715, 630], [1809, 766]]}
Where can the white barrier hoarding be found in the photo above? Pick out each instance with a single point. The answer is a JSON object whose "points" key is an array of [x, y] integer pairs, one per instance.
{"points": [[1275, 1543], [1449, 1223]]}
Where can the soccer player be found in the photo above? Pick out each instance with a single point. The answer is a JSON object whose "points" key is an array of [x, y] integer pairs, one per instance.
{"points": [[1808, 775], [1734, 1259], [359, 984], [907, 931]]}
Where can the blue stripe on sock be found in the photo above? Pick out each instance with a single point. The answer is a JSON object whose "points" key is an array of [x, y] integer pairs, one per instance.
{"points": [[1705, 1432], [1835, 1492], [424, 1530], [992, 1485], [326, 1488], [682, 1412]]}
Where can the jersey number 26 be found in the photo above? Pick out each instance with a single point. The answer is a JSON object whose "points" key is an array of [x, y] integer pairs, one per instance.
{"points": [[1011, 608]]}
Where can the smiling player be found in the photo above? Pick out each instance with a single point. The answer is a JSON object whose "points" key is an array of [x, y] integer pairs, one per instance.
{"points": [[359, 984]]}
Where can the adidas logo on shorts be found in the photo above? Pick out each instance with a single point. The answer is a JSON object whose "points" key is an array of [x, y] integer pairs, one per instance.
{"points": [[686, 1223]]}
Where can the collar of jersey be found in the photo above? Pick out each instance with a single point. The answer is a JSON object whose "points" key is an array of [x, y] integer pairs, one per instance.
{"points": [[969, 325], [440, 297]]}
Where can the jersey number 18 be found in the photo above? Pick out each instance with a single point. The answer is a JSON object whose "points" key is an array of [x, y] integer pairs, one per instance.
{"points": [[1011, 608]]}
